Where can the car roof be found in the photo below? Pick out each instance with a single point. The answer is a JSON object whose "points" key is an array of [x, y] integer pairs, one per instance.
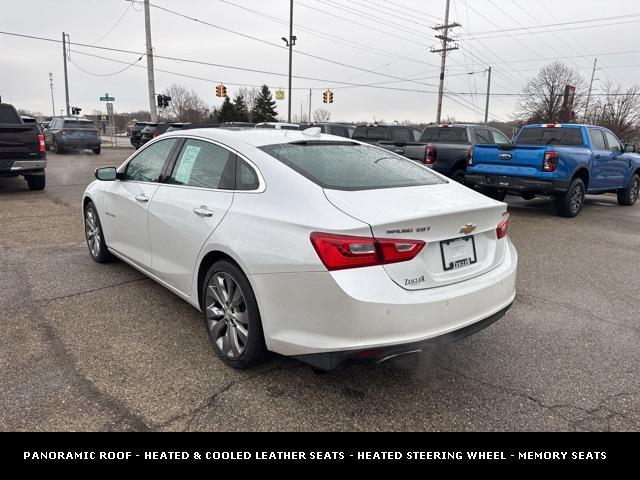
{"points": [[253, 137]]}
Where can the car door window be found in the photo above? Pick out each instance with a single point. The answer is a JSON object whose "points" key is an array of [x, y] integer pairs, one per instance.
{"points": [[499, 138], [147, 165], [483, 136], [204, 165], [246, 178], [339, 131], [401, 135], [613, 142], [597, 140]]}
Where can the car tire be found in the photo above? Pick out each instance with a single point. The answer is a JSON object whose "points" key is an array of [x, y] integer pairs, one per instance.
{"points": [[96, 150], [528, 196], [36, 182], [458, 176], [95, 235], [628, 196], [570, 203], [57, 148], [231, 316]]}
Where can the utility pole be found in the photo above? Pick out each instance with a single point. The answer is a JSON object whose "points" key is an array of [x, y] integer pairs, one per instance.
{"points": [[150, 80], [290, 44], [444, 39], [53, 103], [66, 78], [309, 119], [593, 72], [486, 108]]}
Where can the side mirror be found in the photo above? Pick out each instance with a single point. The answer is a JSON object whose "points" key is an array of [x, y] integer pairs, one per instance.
{"points": [[628, 148], [107, 174]]}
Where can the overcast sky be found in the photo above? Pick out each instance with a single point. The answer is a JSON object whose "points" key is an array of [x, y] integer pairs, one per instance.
{"points": [[392, 38]]}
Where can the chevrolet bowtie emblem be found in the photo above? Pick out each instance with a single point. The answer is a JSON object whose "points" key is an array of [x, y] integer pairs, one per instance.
{"points": [[468, 228]]}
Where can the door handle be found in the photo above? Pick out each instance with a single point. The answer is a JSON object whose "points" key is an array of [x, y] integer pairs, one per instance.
{"points": [[203, 211], [142, 198]]}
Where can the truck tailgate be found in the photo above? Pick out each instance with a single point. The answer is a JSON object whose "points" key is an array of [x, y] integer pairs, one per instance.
{"points": [[522, 160], [18, 141]]}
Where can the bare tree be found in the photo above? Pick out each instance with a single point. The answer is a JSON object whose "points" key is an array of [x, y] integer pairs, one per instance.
{"points": [[619, 111], [321, 115], [249, 95], [544, 94], [185, 105]]}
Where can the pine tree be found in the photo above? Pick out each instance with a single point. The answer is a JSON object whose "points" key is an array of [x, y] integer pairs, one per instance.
{"points": [[264, 109], [227, 112], [241, 110]]}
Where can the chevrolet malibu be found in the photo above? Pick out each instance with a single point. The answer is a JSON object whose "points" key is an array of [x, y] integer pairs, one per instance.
{"points": [[308, 245]]}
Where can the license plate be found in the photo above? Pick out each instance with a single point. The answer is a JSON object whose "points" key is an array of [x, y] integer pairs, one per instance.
{"points": [[458, 253]]}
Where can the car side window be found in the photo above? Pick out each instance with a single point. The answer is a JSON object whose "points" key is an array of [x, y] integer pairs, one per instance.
{"points": [[401, 134], [147, 165], [482, 136], [246, 178], [597, 140], [339, 131], [204, 165], [613, 142], [499, 138]]}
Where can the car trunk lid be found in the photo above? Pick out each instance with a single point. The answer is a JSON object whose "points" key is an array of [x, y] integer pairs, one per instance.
{"points": [[457, 225]]}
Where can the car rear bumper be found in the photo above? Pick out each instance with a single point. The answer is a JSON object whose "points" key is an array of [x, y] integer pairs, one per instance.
{"points": [[517, 184], [79, 144], [9, 167], [326, 318]]}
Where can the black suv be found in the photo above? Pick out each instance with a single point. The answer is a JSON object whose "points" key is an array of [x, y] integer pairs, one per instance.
{"points": [[151, 131], [136, 131]]}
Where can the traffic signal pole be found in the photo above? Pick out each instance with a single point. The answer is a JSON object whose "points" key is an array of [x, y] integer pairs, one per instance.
{"points": [[150, 79]]}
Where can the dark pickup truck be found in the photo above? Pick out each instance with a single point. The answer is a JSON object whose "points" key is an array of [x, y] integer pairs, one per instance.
{"points": [[447, 146], [400, 139], [22, 148]]}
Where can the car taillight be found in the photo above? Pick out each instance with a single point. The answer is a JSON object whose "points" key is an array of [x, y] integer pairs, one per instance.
{"points": [[470, 156], [62, 132], [430, 155], [41, 145], [503, 226], [550, 162], [338, 252], [154, 134]]}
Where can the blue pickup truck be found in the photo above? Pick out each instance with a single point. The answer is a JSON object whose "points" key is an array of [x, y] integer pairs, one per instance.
{"points": [[565, 161]]}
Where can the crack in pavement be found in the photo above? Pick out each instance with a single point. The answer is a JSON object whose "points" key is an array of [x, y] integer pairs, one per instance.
{"points": [[589, 412]]}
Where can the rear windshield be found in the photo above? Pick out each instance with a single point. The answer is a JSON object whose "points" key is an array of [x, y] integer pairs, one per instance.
{"points": [[371, 133], [78, 124], [350, 166], [447, 135], [550, 136], [8, 115]]}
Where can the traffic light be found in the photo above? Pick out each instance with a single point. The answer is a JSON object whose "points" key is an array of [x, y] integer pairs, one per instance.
{"points": [[325, 96], [75, 111], [221, 90], [330, 96], [163, 101]]}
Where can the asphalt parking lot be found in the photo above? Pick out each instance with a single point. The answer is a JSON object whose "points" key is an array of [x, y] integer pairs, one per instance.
{"points": [[101, 347]]}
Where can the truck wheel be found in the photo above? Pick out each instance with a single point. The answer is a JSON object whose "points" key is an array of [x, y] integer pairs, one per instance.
{"points": [[36, 182], [570, 203], [528, 196], [498, 195], [629, 195], [96, 150], [458, 176], [57, 148]]}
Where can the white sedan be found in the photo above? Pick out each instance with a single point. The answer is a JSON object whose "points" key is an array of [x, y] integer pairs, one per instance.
{"points": [[307, 245]]}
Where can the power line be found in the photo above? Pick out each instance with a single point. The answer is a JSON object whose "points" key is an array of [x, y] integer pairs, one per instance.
{"points": [[114, 25], [104, 74], [413, 10]]}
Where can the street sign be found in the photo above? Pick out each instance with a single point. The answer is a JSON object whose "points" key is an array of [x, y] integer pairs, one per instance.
{"points": [[110, 109], [279, 94], [107, 98]]}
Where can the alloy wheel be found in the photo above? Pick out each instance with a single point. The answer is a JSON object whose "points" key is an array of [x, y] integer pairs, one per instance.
{"points": [[576, 198], [92, 231], [635, 189], [227, 315]]}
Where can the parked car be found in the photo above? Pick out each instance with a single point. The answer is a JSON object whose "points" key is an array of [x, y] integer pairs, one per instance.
{"points": [[329, 128], [136, 132], [565, 161], [400, 139], [278, 125], [22, 148], [447, 146], [283, 244], [194, 125], [237, 125], [67, 133], [151, 131]]}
